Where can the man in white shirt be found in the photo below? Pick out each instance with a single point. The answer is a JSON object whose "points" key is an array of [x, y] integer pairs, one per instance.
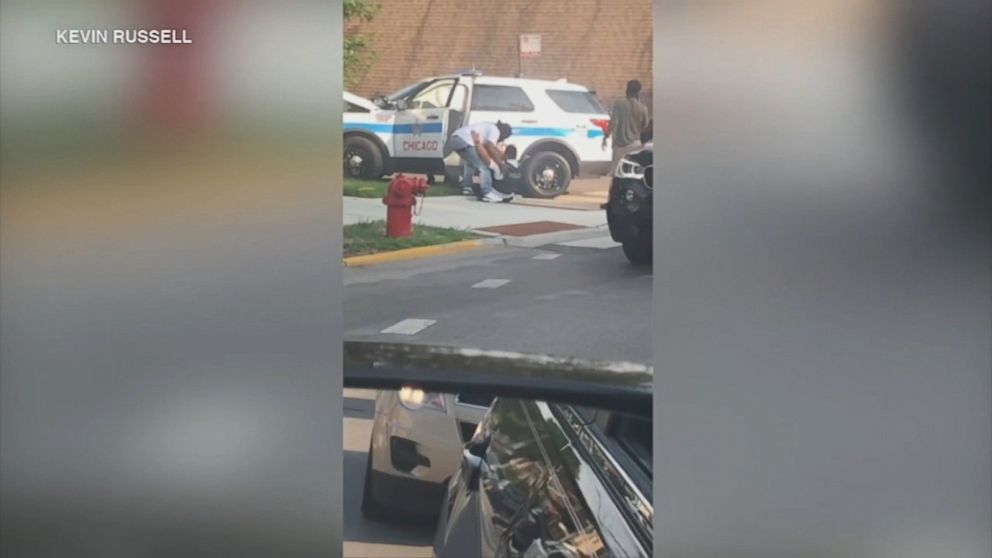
{"points": [[468, 141]]}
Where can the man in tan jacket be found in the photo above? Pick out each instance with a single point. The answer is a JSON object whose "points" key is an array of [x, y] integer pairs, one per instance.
{"points": [[628, 119]]}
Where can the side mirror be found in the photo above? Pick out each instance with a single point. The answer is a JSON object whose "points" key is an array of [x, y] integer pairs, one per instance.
{"points": [[402, 104], [471, 464]]}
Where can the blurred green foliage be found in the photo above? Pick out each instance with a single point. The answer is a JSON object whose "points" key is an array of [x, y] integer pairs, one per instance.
{"points": [[358, 55]]}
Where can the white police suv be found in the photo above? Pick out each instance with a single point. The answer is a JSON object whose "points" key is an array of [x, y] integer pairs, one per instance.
{"points": [[558, 129]]}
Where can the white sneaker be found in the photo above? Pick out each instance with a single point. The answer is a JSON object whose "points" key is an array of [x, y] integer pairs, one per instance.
{"points": [[467, 191], [492, 197]]}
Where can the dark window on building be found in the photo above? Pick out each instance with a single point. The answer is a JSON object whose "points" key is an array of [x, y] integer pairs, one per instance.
{"points": [[576, 102], [501, 98]]}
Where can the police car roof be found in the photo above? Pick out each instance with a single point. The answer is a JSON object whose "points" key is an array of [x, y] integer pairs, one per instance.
{"points": [[560, 84]]}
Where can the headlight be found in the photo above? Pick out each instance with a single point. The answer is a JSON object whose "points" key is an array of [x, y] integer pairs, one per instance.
{"points": [[629, 169], [414, 399]]}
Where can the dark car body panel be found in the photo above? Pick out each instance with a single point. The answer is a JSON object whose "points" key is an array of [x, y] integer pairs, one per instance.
{"points": [[627, 218], [539, 487]]}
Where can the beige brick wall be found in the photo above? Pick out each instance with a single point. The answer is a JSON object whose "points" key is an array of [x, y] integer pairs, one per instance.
{"points": [[598, 43]]}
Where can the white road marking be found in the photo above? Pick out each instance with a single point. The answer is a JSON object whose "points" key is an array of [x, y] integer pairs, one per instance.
{"points": [[546, 256], [600, 242], [490, 284], [410, 326]]}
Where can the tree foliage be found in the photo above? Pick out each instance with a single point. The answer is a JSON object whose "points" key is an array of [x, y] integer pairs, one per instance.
{"points": [[358, 55]]}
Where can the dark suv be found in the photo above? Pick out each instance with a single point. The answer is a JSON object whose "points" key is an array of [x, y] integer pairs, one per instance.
{"points": [[629, 209], [553, 480]]}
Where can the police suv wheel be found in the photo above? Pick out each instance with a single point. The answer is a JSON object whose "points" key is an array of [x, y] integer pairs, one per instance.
{"points": [[547, 175], [362, 158]]}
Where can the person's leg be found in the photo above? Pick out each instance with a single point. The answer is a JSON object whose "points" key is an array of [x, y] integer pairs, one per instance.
{"points": [[467, 172], [619, 152], [472, 159]]}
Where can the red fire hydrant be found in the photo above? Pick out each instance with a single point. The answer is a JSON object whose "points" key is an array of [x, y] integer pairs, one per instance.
{"points": [[400, 199]]}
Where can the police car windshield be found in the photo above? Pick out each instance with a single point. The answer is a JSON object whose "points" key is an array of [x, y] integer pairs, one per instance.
{"points": [[406, 92]]}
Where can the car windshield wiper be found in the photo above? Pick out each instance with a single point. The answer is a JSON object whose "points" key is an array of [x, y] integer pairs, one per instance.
{"points": [[619, 386]]}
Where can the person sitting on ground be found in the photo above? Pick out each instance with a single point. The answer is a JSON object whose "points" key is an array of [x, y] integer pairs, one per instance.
{"points": [[470, 142], [506, 174], [496, 158]]}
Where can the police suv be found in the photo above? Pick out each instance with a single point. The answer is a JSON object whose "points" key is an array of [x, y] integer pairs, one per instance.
{"points": [[558, 129]]}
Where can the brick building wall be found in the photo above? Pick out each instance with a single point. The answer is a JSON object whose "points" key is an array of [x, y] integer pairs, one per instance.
{"points": [[597, 43]]}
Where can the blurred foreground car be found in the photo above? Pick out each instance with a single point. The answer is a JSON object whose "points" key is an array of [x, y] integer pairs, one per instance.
{"points": [[551, 480], [560, 465], [630, 206], [417, 440]]}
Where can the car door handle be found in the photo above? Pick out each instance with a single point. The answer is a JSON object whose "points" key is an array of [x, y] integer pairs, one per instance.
{"points": [[433, 117], [529, 121]]}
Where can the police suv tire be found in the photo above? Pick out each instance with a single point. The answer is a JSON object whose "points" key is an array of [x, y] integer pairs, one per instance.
{"points": [[371, 509], [372, 166], [540, 160], [638, 248]]}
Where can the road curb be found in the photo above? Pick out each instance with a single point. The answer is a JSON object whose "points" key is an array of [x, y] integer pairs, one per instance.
{"points": [[492, 239], [416, 253]]}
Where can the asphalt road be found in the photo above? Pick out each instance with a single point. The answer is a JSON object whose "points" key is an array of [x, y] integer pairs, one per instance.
{"points": [[588, 302], [582, 301]]}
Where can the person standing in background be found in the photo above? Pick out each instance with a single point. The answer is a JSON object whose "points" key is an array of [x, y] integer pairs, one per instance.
{"points": [[628, 120]]}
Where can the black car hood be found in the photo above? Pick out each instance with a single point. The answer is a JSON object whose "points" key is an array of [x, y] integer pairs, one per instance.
{"points": [[643, 157]]}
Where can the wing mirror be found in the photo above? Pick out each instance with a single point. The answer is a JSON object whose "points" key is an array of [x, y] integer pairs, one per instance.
{"points": [[470, 470], [402, 104], [471, 465]]}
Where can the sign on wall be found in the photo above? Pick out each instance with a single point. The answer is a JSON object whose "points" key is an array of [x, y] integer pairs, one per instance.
{"points": [[530, 46]]}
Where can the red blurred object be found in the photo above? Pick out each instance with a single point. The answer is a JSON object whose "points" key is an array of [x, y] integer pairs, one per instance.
{"points": [[400, 199], [602, 123], [177, 75]]}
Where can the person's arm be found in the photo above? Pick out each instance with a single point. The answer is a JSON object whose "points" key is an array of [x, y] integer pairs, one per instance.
{"points": [[488, 151], [496, 154], [482, 147]]}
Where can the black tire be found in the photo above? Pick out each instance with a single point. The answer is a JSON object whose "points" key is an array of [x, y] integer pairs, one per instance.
{"points": [[362, 158], [638, 248], [371, 509], [535, 183]]}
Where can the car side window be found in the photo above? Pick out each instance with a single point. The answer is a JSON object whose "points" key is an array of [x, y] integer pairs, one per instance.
{"points": [[624, 434], [433, 96], [576, 102], [501, 98], [634, 437], [459, 98]]}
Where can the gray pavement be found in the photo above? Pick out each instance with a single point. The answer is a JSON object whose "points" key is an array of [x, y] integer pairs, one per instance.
{"points": [[588, 302], [465, 212]]}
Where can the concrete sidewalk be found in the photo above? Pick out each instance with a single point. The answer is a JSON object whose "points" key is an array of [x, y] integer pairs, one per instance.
{"points": [[468, 213], [584, 194]]}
